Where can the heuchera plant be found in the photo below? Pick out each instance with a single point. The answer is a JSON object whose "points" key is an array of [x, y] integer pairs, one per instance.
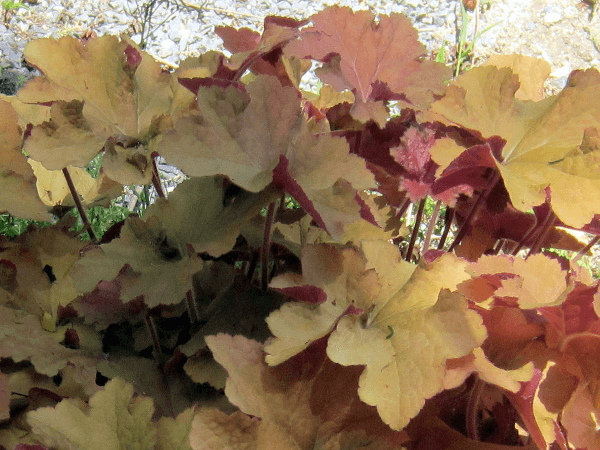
{"points": [[224, 318]]}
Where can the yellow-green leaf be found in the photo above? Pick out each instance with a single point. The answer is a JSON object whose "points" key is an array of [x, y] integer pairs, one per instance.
{"points": [[114, 421]]}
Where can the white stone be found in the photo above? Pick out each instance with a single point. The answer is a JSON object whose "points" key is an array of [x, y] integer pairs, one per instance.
{"points": [[562, 71], [184, 32], [552, 17]]}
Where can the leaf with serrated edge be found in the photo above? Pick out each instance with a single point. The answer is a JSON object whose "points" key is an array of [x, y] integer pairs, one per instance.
{"points": [[23, 339], [264, 138], [194, 213], [580, 418], [165, 268], [28, 113], [309, 401], [386, 50], [342, 276], [174, 434], [532, 73], [66, 139], [215, 430], [119, 98], [114, 420], [542, 138], [31, 252], [127, 165], [11, 157], [204, 369], [538, 281], [460, 369], [19, 196], [403, 335], [405, 368]]}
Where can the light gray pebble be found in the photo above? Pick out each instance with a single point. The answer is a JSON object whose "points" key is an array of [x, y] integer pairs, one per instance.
{"points": [[552, 17]]}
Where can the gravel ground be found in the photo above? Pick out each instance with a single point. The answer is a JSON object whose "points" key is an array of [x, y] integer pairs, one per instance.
{"points": [[563, 32]]}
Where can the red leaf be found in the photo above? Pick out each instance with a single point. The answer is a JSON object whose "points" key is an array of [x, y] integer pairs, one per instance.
{"points": [[305, 293], [237, 41], [134, 58], [358, 51], [523, 402]]}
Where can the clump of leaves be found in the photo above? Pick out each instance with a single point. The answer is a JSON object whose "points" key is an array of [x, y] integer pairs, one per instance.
{"points": [[279, 297]]}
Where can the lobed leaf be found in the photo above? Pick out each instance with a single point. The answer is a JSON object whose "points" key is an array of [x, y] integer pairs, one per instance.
{"points": [[23, 339], [16, 177], [262, 137], [367, 51], [114, 420], [98, 88], [305, 402], [402, 332], [543, 138], [53, 189], [163, 269], [198, 213], [535, 282]]}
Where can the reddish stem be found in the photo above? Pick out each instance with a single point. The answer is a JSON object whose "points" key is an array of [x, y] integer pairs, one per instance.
{"points": [[82, 214], [415, 232], [156, 180], [245, 65], [432, 221], [153, 334], [160, 358], [266, 247], [251, 266], [474, 210], [449, 218], [543, 232], [526, 236]]}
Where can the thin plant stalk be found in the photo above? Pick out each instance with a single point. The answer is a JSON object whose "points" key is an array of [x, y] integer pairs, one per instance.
{"points": [[432, 222], [415, 233], [526, 236], [160, 358], [499, 246], [156, 180], [543, 233], [449, 218], [266, 247], [465, 49], [586, 249], [153, 334], [78, 204], [250, 269], [474, 210], [403, 208], [191, 307]]}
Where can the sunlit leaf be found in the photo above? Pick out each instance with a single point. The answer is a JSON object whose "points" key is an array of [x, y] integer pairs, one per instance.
{"points": [[543, 138]]}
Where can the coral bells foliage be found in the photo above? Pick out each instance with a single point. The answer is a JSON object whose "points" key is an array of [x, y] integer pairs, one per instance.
{"points": [[280, 297]]}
